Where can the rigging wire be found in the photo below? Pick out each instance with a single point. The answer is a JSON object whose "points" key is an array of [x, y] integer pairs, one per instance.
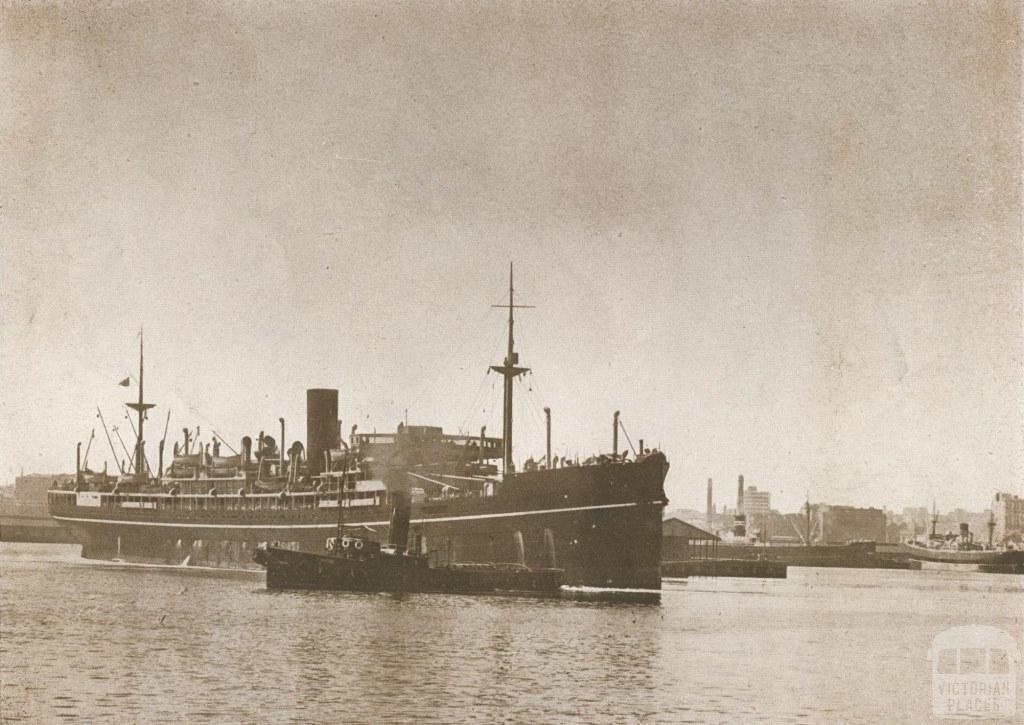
{"points": [[532, 414], [623, 427], [128, 456], [473, 333], [481, 390], [85, 459], [219, 436], [468, 351], [128, 417], [117, 462]]}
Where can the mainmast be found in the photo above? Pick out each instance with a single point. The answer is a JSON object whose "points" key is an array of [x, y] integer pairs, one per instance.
{"points": [[510, 370], [141, 408]]}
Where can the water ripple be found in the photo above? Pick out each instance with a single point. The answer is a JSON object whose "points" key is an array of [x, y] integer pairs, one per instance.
{"points": [[87, 643]]}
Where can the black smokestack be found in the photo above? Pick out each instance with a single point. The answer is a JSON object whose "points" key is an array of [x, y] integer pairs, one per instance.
{"points": [[739, 495], [321, 426], [399, 530]]}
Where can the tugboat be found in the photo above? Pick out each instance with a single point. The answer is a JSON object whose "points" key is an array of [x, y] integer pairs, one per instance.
{"points": [[361, 565]]}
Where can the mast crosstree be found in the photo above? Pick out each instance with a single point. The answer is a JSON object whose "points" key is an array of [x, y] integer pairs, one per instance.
{"points": [[510, 370]]}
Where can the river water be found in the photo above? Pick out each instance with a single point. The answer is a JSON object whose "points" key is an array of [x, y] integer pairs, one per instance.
{"points": [[88, 642]]}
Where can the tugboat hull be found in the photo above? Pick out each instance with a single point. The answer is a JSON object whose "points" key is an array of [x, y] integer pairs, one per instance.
{"points": [[288, 569]]}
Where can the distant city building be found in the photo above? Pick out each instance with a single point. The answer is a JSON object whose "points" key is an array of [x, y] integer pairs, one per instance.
{"points": [[756, 503], [756, 508], [842, 524], [1008, 513], [917, 519]]}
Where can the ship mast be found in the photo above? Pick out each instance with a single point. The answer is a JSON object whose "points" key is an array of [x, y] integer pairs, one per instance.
{"points": [[141, 408], [510, 371]]}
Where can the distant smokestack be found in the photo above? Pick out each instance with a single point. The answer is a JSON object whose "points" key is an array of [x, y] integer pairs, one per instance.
{"points": [[615, 434], [710, 511], [739, 527], [547, 422]]}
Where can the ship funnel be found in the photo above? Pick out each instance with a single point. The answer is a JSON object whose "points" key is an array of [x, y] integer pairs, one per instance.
{"points": [[398, 535], [294, 459], [322, 432], [246, 450], [280, 457]]}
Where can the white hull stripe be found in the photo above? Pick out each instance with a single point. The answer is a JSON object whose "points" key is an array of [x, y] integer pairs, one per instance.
{"points": [[116, 522]]}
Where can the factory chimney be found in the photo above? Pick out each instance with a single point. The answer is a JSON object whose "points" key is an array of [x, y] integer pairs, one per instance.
{"points": [[710, 511], [739, 527]]}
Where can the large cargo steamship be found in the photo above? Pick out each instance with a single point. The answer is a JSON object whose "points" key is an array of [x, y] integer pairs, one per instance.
{"points": [[599, 520]]}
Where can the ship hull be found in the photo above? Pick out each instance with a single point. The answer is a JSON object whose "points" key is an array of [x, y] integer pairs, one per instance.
{"points": [[990, 560], [600, 524]]}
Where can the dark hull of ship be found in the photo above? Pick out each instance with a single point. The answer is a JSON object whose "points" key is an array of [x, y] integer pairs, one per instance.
{"points": [[990, 560], [601, 524]]}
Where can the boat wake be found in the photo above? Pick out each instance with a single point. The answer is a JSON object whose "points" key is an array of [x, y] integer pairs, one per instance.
{"points": [[608, 594]]}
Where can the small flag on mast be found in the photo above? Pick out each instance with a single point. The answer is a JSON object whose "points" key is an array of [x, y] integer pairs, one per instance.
{"points": [[126, 382]]}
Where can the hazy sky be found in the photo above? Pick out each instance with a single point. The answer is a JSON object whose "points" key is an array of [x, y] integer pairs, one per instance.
{"points": [[783, 239]]}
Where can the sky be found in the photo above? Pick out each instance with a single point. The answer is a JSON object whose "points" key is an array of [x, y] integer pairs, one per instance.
{"points": [[783, 239]]}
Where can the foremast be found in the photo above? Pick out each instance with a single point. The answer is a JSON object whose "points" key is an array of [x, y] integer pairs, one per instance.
{"points": [[141, 408], [510, 370]]}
